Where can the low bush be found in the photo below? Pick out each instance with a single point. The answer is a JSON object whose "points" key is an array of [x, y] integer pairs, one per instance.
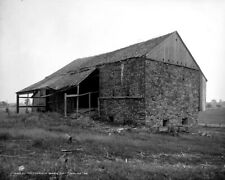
{"points": [[38, 143]]}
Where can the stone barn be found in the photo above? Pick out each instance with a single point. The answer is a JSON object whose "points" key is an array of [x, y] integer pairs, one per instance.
{"points": [[156, 82]]}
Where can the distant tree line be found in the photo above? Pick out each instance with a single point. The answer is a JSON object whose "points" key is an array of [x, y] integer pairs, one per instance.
{"points": [[215, 104], [3, 104]]}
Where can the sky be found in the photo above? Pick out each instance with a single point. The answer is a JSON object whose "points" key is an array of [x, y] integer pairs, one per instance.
{"points": [[37, 37]]}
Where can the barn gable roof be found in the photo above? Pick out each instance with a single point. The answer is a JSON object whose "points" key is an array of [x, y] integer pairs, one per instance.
{"points": [[174, 51], [136, 50], [65, 76]]}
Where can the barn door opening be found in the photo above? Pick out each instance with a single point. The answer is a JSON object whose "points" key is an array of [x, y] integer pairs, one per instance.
{"points": [[83, 97]]}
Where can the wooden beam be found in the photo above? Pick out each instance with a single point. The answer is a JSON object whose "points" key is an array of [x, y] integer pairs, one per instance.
{"points": [[65, 105], [17, 103], [71, 95], [31, 97], [27, 103], [75, 95], [30, 106], [25, 92], [98, 107], [78, 88]]}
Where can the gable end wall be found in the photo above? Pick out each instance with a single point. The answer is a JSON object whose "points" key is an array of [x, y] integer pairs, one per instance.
{"points": [[171, 93]]}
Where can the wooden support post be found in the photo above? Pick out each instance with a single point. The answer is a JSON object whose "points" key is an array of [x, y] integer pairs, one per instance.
{"points": [[89, 102], [38, 100], [27, 101], [65, 105], [17, 103], [78, 99], [98, 107]]}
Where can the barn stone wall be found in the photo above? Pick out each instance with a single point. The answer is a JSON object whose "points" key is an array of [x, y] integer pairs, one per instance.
{"points": [[122, 91], [123, 111], [172, 94]]}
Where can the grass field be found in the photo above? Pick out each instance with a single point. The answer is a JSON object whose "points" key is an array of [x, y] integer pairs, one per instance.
{"points": [[100, 150], [213, 116]]}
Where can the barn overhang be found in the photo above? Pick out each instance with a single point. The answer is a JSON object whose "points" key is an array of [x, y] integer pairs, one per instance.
{"points": [[60, 81], [57, 83]]}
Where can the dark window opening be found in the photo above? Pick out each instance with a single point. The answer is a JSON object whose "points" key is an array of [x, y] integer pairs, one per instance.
{"points": [[111, 118], [153, 98], [128, 92], [184, 121], [42, 92], [165, 122]]}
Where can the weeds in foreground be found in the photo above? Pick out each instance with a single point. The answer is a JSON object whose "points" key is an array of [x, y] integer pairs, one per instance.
{"points": [[4, 173], [35, 141]]}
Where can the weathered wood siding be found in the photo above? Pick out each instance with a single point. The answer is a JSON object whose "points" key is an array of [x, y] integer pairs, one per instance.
{"points": [[39, 101], [55, 103], [172, 50]]}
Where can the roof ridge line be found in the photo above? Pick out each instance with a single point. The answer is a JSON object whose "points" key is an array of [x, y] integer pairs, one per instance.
{"points": [[169, 34]]}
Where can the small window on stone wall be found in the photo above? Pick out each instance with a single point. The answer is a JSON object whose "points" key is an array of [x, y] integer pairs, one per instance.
{"points": [[111, 118], [165, 122], [184, 121], [127, 92]]}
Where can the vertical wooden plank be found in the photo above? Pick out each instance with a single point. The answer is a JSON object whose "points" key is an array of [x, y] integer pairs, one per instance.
{"points": [[78, 99], [17, 103], [65, 105], [98, 107], [38, 100], [27, 102], [89, 101]]}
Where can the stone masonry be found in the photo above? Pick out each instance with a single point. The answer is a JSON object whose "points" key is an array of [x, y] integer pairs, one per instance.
{"points": [[149, 92], [171, 93], [122, 91]]}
